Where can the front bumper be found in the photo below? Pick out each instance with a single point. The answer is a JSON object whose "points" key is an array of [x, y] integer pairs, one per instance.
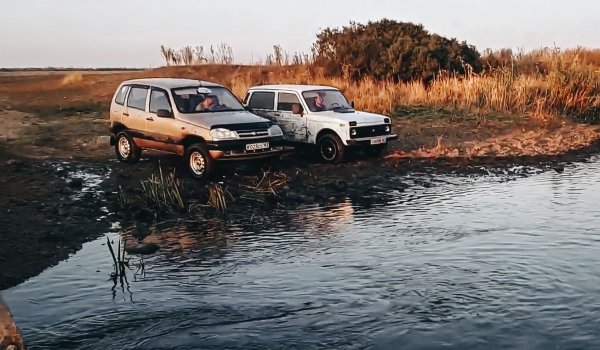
{"points": [[366, 141], [236, 149]]}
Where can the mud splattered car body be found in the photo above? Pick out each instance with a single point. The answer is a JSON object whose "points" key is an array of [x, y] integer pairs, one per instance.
{"points": [[200, 120], [320, 116]]}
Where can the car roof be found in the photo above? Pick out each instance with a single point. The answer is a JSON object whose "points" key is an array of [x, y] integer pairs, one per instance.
{"points": [[170, 83], [292, 87]]}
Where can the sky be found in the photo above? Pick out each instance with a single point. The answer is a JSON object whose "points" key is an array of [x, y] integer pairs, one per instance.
{"points": [[128, 33]]}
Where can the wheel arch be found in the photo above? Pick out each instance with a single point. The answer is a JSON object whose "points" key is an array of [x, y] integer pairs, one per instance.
{"points": [[114, 130], [326, 131], [190, 140]]}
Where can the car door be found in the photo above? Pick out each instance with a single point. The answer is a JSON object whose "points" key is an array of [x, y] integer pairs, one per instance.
{"points": [[134, 117], [292, 124], [263, 104], [163, 133]]}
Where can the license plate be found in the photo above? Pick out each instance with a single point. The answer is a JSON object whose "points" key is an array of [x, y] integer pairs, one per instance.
{"points": [[378, 141], [255, 146]]}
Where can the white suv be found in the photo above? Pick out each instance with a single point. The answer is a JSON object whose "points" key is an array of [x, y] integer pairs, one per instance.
{"points": [[321, 116]]}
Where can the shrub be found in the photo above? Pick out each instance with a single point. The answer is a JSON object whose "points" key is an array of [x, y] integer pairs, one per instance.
{"points": [[390, 50]]}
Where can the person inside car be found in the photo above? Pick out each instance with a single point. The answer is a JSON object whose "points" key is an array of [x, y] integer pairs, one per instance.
{"points": [[319, 102], [210, 103]]}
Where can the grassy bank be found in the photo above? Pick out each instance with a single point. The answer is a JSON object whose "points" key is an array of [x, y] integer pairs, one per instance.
{"points": [[565, 87], [543, 85], [521, 104]]}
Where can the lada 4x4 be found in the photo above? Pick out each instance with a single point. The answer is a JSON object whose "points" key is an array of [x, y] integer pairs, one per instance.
{"points": [[320, 116]]}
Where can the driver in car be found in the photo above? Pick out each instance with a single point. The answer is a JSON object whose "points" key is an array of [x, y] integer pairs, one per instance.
{"points": [[319, 102], [210, 103]]}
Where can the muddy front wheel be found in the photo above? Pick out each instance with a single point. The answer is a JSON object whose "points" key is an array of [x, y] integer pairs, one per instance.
{"points": [[199, 162], [331, 148], [126, 150]]}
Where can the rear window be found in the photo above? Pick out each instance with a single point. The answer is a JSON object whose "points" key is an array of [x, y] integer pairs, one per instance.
{"points": [[137, 98], [262, 100], [120, 98]]}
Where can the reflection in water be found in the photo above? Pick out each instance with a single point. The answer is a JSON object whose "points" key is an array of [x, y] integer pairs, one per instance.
{"points": [[475, 263]]}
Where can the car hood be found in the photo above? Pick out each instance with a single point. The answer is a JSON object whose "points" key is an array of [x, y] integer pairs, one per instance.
{"points": [[356, 116], [210, 119]]}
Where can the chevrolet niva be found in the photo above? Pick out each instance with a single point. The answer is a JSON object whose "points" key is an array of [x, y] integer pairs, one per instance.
{"points": [[320, 116], [202, 121]]}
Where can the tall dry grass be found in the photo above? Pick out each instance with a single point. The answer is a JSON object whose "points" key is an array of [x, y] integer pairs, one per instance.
{"points": [[569, 86]]}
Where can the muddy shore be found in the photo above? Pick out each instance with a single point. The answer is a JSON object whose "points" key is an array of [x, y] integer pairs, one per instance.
{"points": [[60, 180], [58, 193]]}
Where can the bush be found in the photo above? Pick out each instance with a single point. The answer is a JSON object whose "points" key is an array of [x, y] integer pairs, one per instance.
{"points": [[390, 50]]}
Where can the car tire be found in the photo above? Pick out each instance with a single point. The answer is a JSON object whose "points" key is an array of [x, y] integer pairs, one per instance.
{"points": [[377, 150], [126, 150], [198, 161], [331, 149]]}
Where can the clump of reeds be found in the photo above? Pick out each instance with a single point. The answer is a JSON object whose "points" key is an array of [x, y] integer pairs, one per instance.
{"points": [[160, 193], [218, 197], [119, 260], [269, 182], [163, 192]]}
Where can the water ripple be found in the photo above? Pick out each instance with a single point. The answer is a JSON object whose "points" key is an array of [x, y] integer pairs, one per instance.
{"points": [[449, 262]]}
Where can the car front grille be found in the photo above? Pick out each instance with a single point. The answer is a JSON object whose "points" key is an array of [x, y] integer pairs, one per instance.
{"points": [[252, 133], [369, 131]]}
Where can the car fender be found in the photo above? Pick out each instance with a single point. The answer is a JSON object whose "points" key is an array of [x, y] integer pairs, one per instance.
{"points": [[316, 125]]}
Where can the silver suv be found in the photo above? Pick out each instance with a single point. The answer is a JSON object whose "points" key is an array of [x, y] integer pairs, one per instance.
{"points": [[202, 121]]}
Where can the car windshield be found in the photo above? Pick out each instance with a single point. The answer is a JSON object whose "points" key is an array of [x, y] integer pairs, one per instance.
{"points": [[325, 100], [200, 99]]}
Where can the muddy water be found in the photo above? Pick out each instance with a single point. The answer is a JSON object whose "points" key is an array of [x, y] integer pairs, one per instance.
{"points": [[470, 262]]}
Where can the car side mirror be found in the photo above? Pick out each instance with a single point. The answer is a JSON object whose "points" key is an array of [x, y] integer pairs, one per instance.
{"points": [[297, 109], [164, 113], [352, 104]]}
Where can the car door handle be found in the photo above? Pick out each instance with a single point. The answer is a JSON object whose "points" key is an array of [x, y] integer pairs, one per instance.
{"points": [[126, 114], [277, 114], [150, 119]]}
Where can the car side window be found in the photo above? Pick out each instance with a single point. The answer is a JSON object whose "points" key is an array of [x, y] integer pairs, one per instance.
{"points": [[286, 100], [262, 100], [120, 98], [159, 100], [137, 98]]}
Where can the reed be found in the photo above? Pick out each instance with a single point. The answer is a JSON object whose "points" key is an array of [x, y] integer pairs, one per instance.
{"points": [[567, 86], [218, 197], [162, 193]]}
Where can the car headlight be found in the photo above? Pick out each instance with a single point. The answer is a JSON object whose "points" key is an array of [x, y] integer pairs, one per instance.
{"points": [[353, 132], [387, 128], [220, 133], [275, 130]]}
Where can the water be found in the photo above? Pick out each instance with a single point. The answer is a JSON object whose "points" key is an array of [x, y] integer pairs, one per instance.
{"points": [[469, 263]]}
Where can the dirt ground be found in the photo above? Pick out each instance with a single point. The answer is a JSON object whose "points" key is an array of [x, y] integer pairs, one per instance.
{"points": [[59, 176]]}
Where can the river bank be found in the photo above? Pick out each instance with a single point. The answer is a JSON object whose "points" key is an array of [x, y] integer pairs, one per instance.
{"points": [[60, 178], [61, 182]]}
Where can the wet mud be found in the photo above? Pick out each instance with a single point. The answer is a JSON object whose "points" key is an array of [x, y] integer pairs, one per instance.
{"points": [[61, 184]]}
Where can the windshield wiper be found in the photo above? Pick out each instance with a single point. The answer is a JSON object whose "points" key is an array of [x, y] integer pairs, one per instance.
{"points": [[340, 107], [221, 110]]}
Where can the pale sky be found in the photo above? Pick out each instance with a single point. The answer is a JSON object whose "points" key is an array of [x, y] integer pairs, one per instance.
{"points": [[128, 33]]}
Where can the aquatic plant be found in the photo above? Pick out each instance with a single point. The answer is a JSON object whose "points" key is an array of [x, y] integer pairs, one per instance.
{"points": [[269, 182], [218, 197], [160, 194]]}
